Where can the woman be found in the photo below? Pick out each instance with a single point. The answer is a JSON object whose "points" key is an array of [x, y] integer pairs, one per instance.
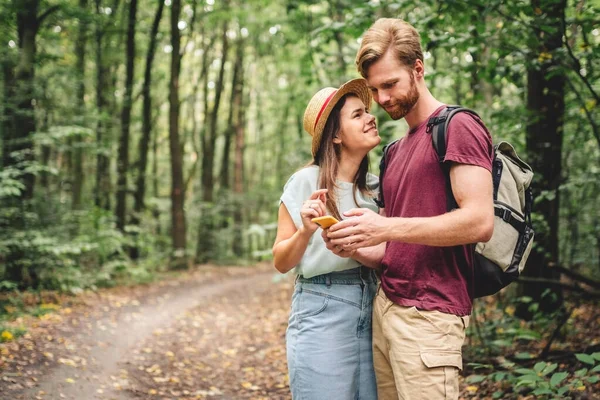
{"points": [[329, 333]]}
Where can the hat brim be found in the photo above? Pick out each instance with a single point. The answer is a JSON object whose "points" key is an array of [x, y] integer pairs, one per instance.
{"points": [[354, 86]]}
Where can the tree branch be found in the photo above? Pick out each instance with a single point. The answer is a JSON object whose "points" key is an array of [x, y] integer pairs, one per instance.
{"points": [[46, 14], [576, 62], [589, 116], [577, 276], [566, 286]]}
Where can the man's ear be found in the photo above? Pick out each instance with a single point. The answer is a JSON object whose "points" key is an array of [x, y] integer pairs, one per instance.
{"points": [[419, 69]]}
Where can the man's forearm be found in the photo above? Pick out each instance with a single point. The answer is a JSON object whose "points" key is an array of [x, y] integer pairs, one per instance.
{"points": [[458, 227]]}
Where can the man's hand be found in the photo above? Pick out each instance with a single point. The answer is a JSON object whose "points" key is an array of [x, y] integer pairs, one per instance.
{"points": [[335, 249], [363, 228]]}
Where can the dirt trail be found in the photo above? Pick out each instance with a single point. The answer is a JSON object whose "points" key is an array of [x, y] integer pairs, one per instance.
{"points": [[105, 337]]}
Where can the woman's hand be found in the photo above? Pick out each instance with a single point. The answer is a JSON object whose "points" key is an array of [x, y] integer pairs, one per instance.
{"points": [[335, 249], [312, 208]]}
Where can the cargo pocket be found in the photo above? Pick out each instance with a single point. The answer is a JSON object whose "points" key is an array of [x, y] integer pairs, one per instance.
{"points": [[451, 363]]}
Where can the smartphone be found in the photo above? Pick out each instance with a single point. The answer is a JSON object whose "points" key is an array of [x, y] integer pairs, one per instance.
{"points": [[325, 221]]}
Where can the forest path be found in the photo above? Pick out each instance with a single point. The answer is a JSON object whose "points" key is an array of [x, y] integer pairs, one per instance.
{"points": [[91, 351]]}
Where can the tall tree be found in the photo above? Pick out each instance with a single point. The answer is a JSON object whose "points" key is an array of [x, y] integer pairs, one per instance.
{"points": [[104, 125], [238, 171], [144, 143], [123, 160], [178, 232], [23, 118], [205, 231], [546, 105], [80, 72], [8, 77], [236, 94], [336, 15]]}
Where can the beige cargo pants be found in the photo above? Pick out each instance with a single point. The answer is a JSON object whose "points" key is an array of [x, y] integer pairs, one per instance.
{"points": [[416, 353]]}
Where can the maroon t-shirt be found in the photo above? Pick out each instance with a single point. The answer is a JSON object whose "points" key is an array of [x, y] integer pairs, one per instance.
{"points": [[427, 277]]}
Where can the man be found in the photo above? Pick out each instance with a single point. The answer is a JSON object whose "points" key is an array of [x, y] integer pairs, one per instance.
{"points": [[423, 305]]}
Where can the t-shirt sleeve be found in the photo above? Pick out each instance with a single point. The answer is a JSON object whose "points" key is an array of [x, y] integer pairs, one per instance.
{"points": [[297, 189], [469, 142]]}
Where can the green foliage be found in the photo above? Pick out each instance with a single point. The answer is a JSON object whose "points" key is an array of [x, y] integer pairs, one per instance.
{"points": [[543, 380], [71, 251]]}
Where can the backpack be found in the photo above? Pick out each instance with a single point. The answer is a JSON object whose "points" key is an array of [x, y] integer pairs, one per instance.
{"points": [[499, 261]]}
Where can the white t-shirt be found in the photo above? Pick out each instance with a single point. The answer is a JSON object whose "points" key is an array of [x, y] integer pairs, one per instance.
{"points": [[317, 260]]}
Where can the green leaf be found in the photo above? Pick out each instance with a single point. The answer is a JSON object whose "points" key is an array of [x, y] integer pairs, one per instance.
{"points": [[539, 367], [550, 368], [475, 378], [523, 356], [596, 368], [581, 372], [596, 356], [499, 376], [541, 391], [562, 390], [585, 358], [501, 343], [557, 378], [498, 395], [593, 379], [479, 365], [528, 380], [525, 299], [525, 371]]}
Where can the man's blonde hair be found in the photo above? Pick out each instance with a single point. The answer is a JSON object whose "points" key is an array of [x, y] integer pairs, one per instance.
{"points": [[385, 34]]}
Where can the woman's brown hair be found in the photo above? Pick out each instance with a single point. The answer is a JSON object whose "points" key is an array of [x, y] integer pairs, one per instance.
{"points": [[328, 157]]}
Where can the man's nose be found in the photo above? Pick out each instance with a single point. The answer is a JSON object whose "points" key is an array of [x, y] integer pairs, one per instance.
{"points": [[383, 98]]}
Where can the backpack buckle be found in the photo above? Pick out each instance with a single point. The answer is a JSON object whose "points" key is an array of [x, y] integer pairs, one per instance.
{"points": [[435, 121], [506, 214]]}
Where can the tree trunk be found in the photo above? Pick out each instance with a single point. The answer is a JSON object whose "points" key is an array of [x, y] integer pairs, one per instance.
{"points": [[335, 13], [546, 105], [236, 94], [102, 191], [238, 172], [8, 76], [144, 143], [123, 160], [155, 209], [24, 117], [457, 84], [178, 232], [208, 151], [80, 70], [283, 124], [206, 232]]}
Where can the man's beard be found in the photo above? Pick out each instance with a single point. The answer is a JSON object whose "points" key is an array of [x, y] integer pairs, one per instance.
{"points": [[404, 105]]}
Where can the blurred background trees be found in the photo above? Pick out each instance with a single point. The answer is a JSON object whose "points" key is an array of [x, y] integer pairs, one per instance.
{"points": [[149, 134]]}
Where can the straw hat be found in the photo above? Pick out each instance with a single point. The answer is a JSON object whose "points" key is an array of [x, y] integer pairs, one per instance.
{"points": [[320, 106]]}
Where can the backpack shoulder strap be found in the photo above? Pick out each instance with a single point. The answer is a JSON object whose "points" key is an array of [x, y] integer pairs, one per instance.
{"points": [[382, 165], [438, 128]]}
